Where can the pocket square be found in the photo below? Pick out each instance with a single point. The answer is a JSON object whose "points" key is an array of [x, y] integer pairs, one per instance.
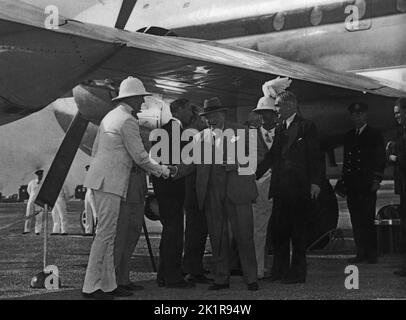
{"points": [[234, 139]]}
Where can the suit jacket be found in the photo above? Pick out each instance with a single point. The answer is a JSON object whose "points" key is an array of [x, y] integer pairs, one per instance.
{"points": [[117, 145], [294, 158], [364, 158], [169, 186], [240, 189]]}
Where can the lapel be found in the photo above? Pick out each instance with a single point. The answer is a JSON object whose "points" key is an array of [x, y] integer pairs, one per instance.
{"points": [[293, 130]]}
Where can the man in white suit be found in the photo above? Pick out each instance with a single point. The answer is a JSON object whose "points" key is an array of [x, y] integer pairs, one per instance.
{"points": [[32, 190], [262, 207], [118, 144]]}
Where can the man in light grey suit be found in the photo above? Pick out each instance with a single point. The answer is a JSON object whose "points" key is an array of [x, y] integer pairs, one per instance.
{"points": [[118, 144]]}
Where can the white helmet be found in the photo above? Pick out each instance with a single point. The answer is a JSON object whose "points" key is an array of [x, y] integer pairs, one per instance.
{"points": [[131, 87]]}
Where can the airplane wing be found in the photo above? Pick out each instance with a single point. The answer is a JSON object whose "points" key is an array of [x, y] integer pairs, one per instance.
{"points": [[39, 65]]}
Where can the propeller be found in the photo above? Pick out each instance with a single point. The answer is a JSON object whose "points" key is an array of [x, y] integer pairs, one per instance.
{"points": [[62, 162]]}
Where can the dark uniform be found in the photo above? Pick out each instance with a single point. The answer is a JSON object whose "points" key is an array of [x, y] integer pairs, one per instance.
{"points": [[295, 161], [364, 163], [400, 176]]}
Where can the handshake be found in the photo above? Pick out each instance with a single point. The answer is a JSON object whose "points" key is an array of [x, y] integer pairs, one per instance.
{"points": [[169, 171]]}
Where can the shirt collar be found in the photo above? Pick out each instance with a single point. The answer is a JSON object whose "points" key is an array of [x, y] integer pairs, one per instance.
{"points": [[272, 131], [217, 129], [290, 120], [126, 107], [178, 121]]}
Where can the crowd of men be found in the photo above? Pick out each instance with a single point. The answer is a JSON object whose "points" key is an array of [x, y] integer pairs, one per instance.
{"points": [[244, 215]]}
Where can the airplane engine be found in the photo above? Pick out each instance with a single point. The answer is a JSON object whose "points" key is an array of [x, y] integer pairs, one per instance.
{"points": [[94, 100]]}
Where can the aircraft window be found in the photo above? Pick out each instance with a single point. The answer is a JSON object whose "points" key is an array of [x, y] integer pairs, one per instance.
{"points": [[279, 21], [146, 6], [316, 16], [401, 6], [186, 5]]}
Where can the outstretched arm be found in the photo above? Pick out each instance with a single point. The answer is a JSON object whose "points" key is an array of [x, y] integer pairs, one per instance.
{"points": [[135, 147]]}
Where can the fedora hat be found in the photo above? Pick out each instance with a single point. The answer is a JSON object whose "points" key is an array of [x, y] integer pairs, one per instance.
{"points": [[131, 87], [212, 105], [265, 104]]}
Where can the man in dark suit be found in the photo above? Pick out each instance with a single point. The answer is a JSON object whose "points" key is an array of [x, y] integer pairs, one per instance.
{"points": [[225, 191], [295, 162], [196, 225], [171, 195], [363, 166]]}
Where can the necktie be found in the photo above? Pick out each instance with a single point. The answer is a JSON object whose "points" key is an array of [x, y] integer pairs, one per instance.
{"points": [[268, 137]]}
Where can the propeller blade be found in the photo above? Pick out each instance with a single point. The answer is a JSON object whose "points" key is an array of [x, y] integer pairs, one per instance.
{"points": [[62, 162], [126, 9]]}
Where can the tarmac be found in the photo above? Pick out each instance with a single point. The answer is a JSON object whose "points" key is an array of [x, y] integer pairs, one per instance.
{"points": [[21, 258]]}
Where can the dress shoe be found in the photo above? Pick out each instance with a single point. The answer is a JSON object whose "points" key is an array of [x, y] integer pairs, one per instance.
{"points": [[181, 285], [88, 235], [293, 280], [356, 259], [26, 232], [216, 286], [64, 234], [54, 234], [98, 295], [132, 287], [400, 273], [121, 292], [253, 286], [37, 233], [197, 278]]}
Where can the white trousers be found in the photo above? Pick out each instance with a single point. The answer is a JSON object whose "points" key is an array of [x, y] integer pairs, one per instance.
{"points": [[262, 210], [100, 272], [59, 217], [90, 209], [31, 207]]}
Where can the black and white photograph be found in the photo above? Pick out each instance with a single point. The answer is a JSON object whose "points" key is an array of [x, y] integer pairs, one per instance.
{"points": [[202, 156]]}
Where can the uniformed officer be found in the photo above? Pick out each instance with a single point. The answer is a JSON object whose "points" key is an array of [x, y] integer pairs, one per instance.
{"points": [[363, 167], [397, 156], [33, 189]]}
